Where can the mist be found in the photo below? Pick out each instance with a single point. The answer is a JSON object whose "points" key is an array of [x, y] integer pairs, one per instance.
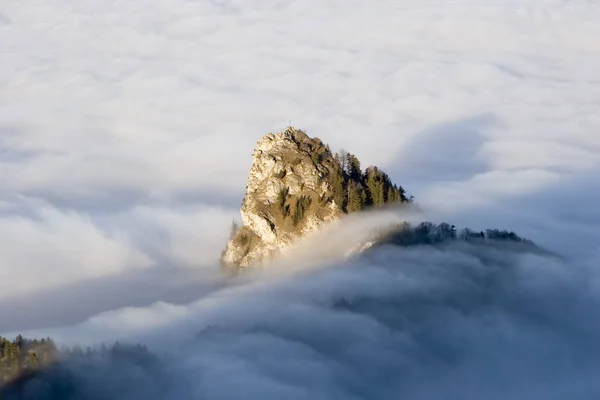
{"points": [[126, 134], [454, 321]]}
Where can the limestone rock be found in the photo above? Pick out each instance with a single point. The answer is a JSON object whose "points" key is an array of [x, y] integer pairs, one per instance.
{"points": [[288, 194], [295, 187]]}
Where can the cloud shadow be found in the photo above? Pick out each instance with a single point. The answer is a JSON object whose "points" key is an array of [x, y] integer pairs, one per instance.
{"points": [[444, 152]]}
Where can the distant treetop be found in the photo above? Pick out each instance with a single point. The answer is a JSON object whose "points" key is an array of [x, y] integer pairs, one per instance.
{"points": [[355, 189]]}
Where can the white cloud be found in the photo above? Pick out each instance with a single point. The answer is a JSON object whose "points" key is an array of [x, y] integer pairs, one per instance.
{"points": [[419, 323], [192, 237], [53, 248], [126, 130], [157, 87]]}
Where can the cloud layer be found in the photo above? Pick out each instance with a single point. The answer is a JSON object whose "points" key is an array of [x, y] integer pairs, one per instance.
{"points": [[450, 322], [125, 138]]}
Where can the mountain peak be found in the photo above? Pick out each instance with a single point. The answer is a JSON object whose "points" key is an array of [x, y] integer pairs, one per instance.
{"points": [[295, 186]]}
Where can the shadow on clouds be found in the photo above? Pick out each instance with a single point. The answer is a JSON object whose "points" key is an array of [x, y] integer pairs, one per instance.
{"points": [[444, 152], [454, 321], [563, 216], [75, 302]]}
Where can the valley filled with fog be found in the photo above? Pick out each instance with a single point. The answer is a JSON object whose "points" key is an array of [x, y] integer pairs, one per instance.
{"points": [[126, 135]]}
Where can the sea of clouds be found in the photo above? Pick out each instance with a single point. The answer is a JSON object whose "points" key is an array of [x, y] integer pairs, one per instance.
{"points": [[126, 130]]}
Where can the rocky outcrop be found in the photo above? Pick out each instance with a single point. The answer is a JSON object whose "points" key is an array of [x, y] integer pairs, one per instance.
{"points": [[295, 186], [288, 194]]}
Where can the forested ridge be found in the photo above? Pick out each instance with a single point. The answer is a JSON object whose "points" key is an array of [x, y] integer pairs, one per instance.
{"points": [[355, 189], [22, 355], [429, 233], [39, 369]]}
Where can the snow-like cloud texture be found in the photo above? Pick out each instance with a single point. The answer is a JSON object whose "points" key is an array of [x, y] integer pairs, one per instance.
{"points": [[126, 130], [455, 322]]}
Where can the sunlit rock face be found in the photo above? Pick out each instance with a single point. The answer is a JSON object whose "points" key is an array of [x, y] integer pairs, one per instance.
{"points": [[288, 195]]}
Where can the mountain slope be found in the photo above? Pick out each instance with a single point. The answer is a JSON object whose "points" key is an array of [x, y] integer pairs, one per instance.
{"points": [[296, 185]]}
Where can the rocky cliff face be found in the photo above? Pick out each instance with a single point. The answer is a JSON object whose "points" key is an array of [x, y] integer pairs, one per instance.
{"points": [[295, 186], [289, 194]]}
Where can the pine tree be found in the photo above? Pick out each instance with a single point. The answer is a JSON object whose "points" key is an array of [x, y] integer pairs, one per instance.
{"points": [[342, 158], [355, 197], [353, 165], [375, 186], [339, 189], [353, 190], [402, 194]]}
